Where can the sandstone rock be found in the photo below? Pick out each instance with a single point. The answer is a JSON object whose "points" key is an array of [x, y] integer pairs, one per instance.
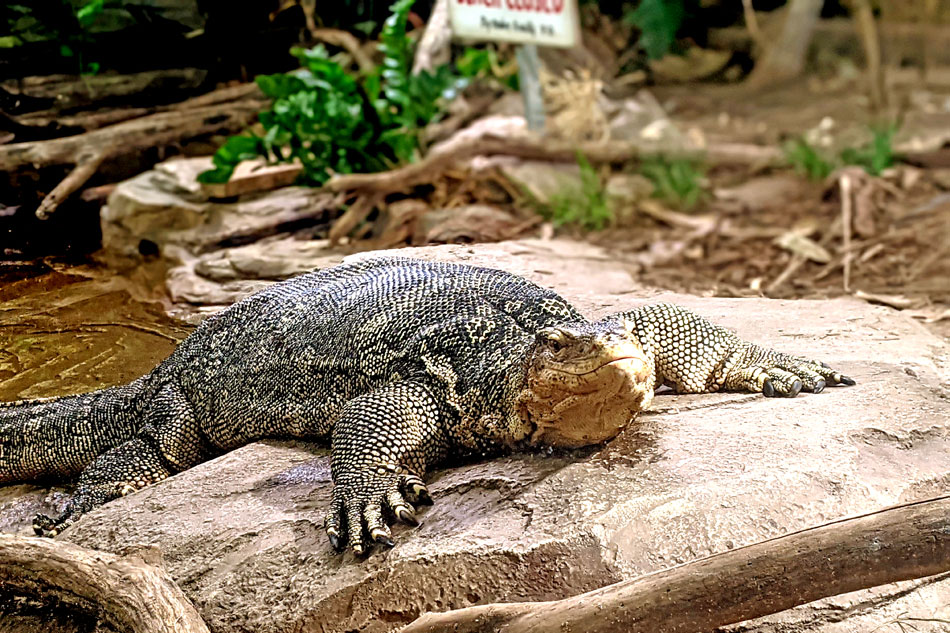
{"points": [[694, 476], [544, 180], [166, 207]]}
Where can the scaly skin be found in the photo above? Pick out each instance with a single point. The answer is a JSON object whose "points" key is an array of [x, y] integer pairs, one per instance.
{"points": [[400, 364]]}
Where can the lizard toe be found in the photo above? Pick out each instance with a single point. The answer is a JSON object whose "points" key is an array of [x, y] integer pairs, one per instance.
{"points": [[45, 526], [415, 491]]}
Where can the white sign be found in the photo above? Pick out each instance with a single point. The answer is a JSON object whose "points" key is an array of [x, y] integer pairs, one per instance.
{"points": [[541, 22]]}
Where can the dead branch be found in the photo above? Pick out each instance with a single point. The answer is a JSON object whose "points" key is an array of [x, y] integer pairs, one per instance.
{"points": [[101, 118], [752, 25], [796, 262], [128, 594], [867, 28], [466, 109], [357, 212], [71, 91], [536, 148], [87, 151], [84, 170], [846, 201], [344, 40], [433, 48], [100, 193], [899, 543]]}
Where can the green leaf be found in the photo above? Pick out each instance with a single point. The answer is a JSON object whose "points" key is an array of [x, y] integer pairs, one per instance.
{"points": [[217, 175], [88, 13], [658, 21], [277, 86]]}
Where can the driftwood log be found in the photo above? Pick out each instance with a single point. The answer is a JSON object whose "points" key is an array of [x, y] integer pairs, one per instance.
{"points": [[900, 543], [538, 148], [68, 92], [230, 109], [128, 594]]}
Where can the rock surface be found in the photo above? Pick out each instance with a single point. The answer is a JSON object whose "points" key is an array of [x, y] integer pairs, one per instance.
{"points": [[694, 476], [166, 207]]}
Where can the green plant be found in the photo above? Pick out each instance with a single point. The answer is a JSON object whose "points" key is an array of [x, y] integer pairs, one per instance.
{"points": [[877, 155], [806, 160], [874, 157], [333, 122], [676, 181], [585, 206], [483, 63], [658, 22], [70, 23]]}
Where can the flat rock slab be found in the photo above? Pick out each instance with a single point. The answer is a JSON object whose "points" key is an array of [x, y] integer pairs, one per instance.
{"points": [[694, 476]]}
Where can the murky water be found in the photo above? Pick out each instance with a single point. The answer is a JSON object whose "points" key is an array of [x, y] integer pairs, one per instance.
{"points": [[70, 328]]}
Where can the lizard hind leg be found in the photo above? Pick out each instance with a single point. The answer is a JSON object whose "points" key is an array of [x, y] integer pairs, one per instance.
{"points": [[120, 471]]}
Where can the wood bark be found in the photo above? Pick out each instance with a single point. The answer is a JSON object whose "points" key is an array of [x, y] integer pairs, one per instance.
{"points": [[900, 543], [536, 148], [128, 594]]}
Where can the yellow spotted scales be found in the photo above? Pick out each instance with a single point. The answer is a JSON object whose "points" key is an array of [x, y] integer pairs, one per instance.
{"points": [[399, 364]]}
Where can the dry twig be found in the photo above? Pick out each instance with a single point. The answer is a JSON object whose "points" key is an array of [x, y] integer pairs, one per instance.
{"points": [[845, 184], [84, 170], [357, 212]]}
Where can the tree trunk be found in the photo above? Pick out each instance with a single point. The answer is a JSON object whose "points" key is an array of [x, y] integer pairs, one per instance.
{"points": [[899, 543], [785, 58]]}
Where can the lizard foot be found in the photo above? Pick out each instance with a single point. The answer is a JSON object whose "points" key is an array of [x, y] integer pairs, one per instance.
{"points": [[365, 502], [779, 375], [47, 526]]}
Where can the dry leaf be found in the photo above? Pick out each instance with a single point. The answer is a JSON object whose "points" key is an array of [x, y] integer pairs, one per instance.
{"points": [[808, 248]]}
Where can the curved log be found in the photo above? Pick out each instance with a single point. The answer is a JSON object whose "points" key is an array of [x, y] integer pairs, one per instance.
{"points": [[128, 594]]}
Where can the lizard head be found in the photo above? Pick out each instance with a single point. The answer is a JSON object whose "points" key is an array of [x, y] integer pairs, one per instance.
{"points": [[584, 383]]}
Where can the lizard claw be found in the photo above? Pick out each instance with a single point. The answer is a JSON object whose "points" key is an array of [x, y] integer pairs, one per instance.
{"points": [[779, 375], [415, 491], [335, 541], [365, 501]]}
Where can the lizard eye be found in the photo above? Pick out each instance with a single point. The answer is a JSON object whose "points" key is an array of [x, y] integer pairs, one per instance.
{"points": [[555, 340]]}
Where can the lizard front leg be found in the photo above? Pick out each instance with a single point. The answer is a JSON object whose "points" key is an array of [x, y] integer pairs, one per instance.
{"points": [[695, 356], [382, 445]]}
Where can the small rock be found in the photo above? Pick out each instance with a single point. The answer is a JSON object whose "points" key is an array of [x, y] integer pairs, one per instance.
{"points": [[166, 207], [544, 180]]}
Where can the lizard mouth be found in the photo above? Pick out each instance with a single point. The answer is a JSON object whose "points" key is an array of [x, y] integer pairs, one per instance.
{"points": [[578, 406], [610, 363]]}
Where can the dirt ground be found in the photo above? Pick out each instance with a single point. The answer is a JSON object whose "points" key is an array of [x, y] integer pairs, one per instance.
{"points": [[898, 250]]}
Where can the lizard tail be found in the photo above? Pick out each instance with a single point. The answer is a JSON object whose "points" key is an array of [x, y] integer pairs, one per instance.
{"points": [[56, 438]]}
